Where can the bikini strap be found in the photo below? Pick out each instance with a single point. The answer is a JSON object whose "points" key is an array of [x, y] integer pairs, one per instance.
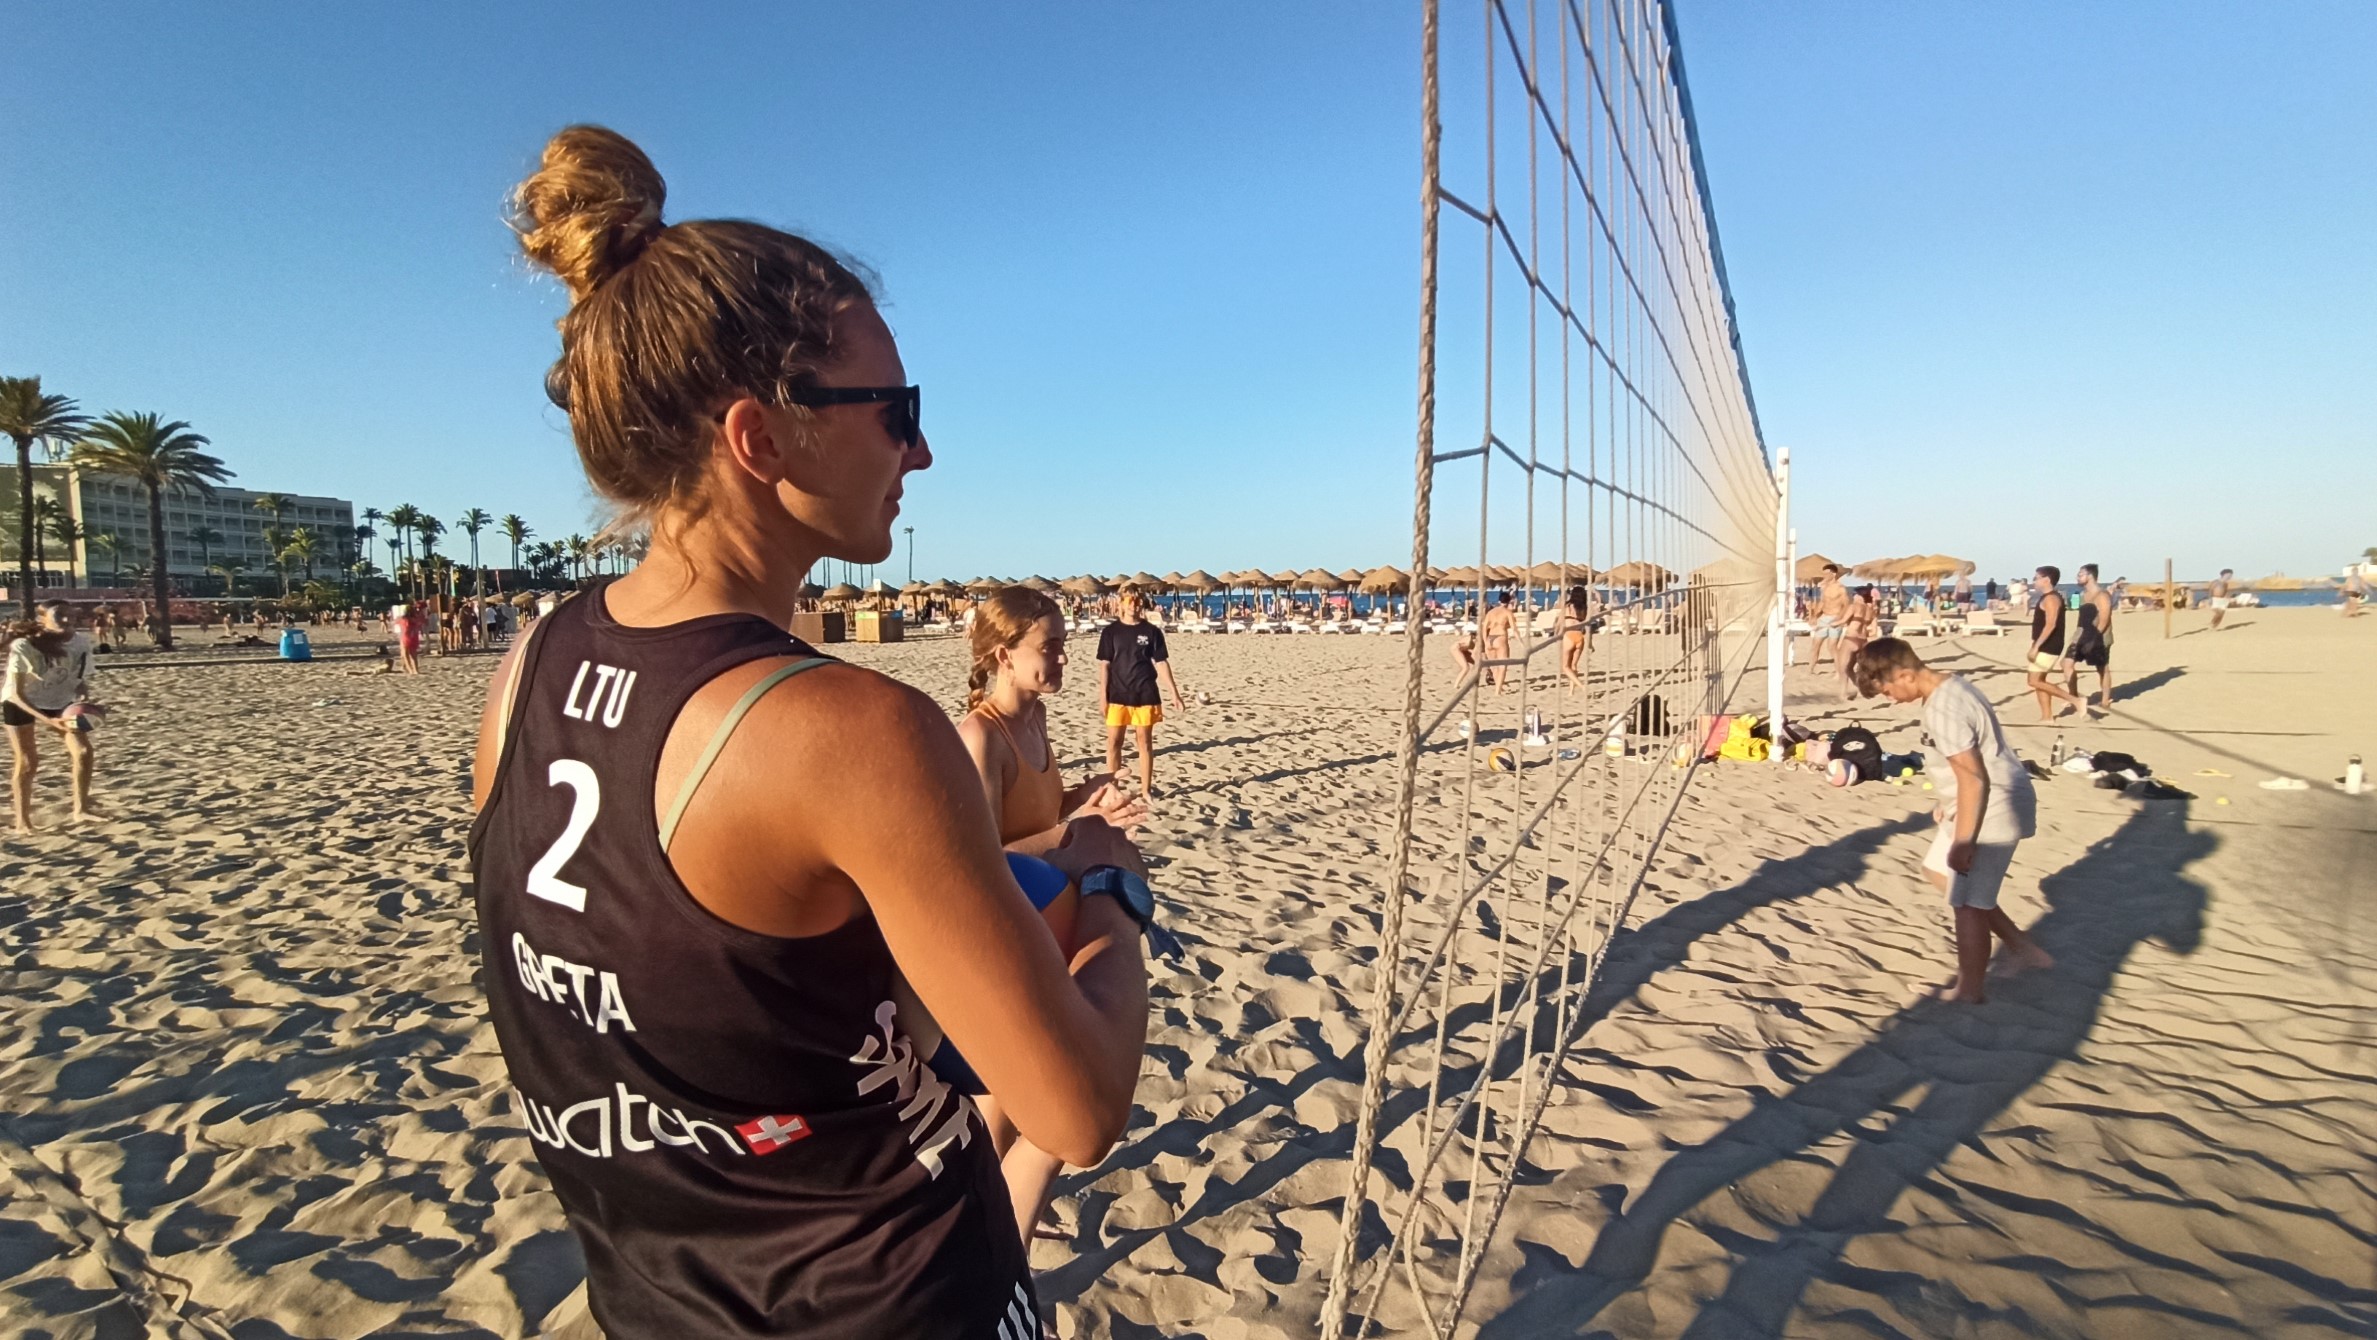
{"points": [[718, 739]]}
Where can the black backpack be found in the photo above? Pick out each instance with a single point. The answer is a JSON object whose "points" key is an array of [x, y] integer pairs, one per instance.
{"points": [[1858, 747]]}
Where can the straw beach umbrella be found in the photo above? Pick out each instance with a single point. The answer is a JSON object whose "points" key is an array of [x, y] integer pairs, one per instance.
{"points": [[1146, 581], [982, 586], [1200, 581], [1639, 575], [1456, 577], [1811, 568], [1082, 586], [1383, 581], [843, 592], [1038, 583], [1319, 579]]}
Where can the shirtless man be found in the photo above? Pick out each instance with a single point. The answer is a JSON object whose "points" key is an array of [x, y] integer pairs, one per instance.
{"points": [[2093, 643], [2046, 656], [2220, 597], [1832, 618], [1493, 636]]}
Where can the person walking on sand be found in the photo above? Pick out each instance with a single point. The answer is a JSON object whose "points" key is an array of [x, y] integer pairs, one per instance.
{"points": [[47, 687], [1987, 807], [1134, 674], [2093, 643], [2356, 592], [1576, 632], [2220, 595], [1493, 640], [1858, 626], [2045, 658], [710, 864], [1832, 617], [407, 620], [1018, 646]]}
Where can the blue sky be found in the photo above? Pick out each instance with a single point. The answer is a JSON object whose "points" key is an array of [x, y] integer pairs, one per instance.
{"points": [[2027, 282]]}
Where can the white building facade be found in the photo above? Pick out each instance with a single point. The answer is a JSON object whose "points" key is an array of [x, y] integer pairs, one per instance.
{"points": [[112, 505]]}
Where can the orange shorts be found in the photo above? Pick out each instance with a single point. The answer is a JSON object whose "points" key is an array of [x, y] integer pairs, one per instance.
{"points": [[1119, 715]]}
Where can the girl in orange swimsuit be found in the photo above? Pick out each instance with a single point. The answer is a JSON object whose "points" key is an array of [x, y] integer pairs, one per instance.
{"points": [[1018, 643]]}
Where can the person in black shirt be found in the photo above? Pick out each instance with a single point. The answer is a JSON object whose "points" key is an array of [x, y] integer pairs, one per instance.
{"points": [[1132, 665], [2046, 660], [721, 879]]}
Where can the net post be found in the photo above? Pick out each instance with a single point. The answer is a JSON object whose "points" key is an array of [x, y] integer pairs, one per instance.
{"points": [[2170, 597], [1778, 619]]}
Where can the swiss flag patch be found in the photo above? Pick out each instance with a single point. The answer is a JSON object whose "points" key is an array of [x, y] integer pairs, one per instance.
{"points": [[766, 1135]]}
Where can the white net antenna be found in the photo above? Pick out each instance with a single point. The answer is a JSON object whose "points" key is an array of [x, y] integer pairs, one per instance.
{"points": [[1589, 455]]}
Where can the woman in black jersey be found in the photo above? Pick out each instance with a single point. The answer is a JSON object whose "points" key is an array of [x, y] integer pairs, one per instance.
{"points": [[704, 853]]}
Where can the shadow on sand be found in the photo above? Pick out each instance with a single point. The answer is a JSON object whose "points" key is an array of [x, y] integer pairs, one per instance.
{"points": [[1636, 957], [1963, 1066]]}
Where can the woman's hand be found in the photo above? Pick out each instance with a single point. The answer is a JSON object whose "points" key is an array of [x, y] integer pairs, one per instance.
{"points": [[1109, 803], [1091, 842]]}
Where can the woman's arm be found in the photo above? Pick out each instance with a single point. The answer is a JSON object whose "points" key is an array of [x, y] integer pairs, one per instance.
{"points": [[904, 826]]}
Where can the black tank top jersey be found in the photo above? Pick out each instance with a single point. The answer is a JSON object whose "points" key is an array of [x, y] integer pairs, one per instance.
{"points": [[736, 1124], [2050, 609]]}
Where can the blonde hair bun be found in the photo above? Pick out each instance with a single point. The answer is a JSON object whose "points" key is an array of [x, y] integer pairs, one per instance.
{"points": [[590, 208]]}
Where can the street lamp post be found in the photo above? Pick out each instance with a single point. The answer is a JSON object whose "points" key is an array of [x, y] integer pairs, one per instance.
{"points": [[910, 532]]}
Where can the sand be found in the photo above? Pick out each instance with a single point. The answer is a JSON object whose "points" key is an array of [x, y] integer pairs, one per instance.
{"points": [[249, 1090]]}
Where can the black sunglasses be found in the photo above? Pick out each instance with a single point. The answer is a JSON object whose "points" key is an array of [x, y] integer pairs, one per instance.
{"points": [[905, 422]]}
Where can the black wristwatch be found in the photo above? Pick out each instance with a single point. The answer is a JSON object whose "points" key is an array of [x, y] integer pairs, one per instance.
{"points": [[1137, 900]]}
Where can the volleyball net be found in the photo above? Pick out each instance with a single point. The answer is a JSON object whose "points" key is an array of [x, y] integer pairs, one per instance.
{"points": [[1591, 471]]}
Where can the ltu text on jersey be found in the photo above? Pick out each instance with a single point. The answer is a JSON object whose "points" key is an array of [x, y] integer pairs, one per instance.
{"points": [[609, 680]]}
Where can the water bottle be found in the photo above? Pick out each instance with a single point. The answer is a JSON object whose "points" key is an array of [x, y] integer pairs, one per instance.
{"points": [[1614, 744], [2056, 759], [2355, 780]]}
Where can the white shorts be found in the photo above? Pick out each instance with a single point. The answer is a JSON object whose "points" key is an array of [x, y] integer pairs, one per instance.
{"points": [[1977, 887], [2221, 602]]}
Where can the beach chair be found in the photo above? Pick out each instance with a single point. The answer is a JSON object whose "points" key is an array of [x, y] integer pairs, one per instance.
{"points": [[1395, 628], [1914, 624], [1983, 621], [1236, 626]]}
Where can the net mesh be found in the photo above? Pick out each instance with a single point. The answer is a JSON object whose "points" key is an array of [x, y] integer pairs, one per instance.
{"points": [[1589, 457]]}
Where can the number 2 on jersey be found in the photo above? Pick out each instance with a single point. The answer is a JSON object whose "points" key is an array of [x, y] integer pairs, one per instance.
{"points": [[586, 793]]}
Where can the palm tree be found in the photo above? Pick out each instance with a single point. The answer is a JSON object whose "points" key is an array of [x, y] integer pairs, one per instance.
{"points": [[303, 547], [112, 545], [45, 520], [206, 538], [517, 531], [372, 517], [578, 549], [229, 568], [27, 416], [276, 544], [471, 523], [161, 457], [403, 518], [66, 530], [426, 528], [273, 505]]}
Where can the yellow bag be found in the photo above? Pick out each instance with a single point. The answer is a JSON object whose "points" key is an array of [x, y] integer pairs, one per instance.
{"points": [[1741, 746]]}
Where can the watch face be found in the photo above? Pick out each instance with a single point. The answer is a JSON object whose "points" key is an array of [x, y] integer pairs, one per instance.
{"points": [[1137, 896]]}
